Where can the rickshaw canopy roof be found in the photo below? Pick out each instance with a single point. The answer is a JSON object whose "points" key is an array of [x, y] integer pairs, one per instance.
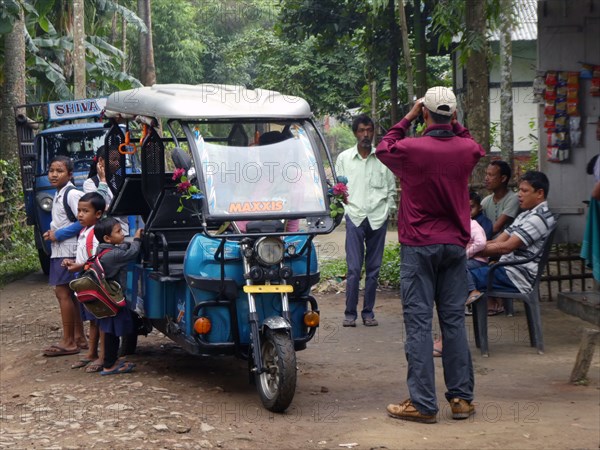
{"points": [[206, 101]]}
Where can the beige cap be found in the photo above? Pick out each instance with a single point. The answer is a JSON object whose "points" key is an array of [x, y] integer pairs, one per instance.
{"points": [[440, 100]]}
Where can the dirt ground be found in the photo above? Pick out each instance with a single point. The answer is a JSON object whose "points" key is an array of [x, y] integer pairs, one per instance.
{"points": [[347, 376]]}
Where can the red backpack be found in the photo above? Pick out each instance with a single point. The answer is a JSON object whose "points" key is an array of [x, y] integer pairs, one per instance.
{"points": [[101, 297]]}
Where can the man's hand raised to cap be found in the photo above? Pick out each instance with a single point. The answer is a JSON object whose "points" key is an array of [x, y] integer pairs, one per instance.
{"points": [[415, 111]]}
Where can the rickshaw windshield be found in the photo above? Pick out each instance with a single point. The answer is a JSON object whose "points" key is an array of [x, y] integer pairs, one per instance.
{"points": [[259, 169], [79, 145]]}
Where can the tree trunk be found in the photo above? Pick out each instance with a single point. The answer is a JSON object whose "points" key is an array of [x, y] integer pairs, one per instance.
{"points": [[477, 104], [374, 118], [393, 58], [419, 47], [13, 88], [406, 52], [506, 95], [142, 44], [124, 44], [113, 29], [79, 79], [147, 67]]}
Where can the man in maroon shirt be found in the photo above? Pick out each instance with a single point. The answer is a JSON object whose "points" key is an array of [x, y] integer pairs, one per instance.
{"points": [[433, 228]]}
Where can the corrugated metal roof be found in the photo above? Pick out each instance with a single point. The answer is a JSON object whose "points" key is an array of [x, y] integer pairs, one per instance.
{"points": [[526, 22]]}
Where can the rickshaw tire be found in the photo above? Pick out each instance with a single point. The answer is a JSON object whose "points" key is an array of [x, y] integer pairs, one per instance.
{"points": [[286, 366], [44, 261]]}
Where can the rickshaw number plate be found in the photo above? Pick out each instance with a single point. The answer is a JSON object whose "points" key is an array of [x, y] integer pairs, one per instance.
{"points": [[268, 289]]}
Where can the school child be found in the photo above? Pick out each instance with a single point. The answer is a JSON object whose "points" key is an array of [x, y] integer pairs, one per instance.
{"points": [[475, 245], [110, 236], [63, 235], [477, 214], [89, 210], [96, 181]]}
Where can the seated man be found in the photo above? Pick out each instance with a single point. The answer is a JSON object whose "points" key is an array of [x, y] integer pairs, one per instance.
{"points": [[521, 239], [501, 206]]}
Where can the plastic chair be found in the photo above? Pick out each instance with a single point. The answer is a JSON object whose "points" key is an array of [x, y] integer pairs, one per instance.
{"points": [[530, 300]]}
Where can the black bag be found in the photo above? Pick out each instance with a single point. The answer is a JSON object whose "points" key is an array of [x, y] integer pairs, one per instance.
{"points": [[68, 211]]}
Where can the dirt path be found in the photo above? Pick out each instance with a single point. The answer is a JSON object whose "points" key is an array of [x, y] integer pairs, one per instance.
{"points": [[346, 378]]}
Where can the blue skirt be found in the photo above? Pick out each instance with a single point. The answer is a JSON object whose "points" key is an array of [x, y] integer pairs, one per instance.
{"points": [[120, 325], [58, 274]]}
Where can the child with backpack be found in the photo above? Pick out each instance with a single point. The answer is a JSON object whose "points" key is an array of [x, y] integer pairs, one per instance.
{"points": [[89, 210], [63, 236], [110, 236]]}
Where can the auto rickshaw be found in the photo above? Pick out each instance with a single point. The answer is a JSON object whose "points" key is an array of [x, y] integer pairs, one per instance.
{"points": [[234, 185]]}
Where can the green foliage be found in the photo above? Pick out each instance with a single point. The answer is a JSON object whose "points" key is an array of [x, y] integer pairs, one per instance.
{"points": [[18, 255], [49, 46], [449, 22], [346, 43], [179, 49], [494, 132], [300, 68], [10, 197], [340, 138], [9, 11], [389, 274], [333, 269], [534, 145]]}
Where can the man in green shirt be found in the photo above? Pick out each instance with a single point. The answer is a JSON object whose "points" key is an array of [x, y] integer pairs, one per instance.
{"points": [[371, 198], [502, 205]]}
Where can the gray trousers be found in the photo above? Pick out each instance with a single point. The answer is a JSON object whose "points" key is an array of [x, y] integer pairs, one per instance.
{"points": [[357, 239], [435, 273]]}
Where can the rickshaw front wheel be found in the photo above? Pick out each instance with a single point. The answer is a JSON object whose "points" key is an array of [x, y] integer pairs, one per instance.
{"points": [[277, 385], [44, 261]]}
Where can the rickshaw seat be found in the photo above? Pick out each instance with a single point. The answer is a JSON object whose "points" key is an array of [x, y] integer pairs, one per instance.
{"points": [[237, 136], [181, 159], [271, 137], [129, 201], [169, 231]]}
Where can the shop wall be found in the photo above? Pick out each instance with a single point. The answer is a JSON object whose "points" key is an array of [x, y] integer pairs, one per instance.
{"points": [[568, 36]]}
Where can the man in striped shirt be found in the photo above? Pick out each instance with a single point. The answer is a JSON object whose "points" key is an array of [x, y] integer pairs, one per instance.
{"points": [[520, 240]]}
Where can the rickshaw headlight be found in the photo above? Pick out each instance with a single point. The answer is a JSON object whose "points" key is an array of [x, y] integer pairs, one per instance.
{"points": [[269, 250], [44, 201], [311, 319], [291, 250]]}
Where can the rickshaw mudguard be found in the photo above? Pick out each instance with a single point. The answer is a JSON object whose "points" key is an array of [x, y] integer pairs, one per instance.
{"points": [[275, 323]]}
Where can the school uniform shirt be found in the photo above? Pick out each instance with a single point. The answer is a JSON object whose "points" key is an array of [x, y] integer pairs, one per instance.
{"points": [[68, 247], [90, 186], [371, 187], [82, 250], [531, 227]]}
